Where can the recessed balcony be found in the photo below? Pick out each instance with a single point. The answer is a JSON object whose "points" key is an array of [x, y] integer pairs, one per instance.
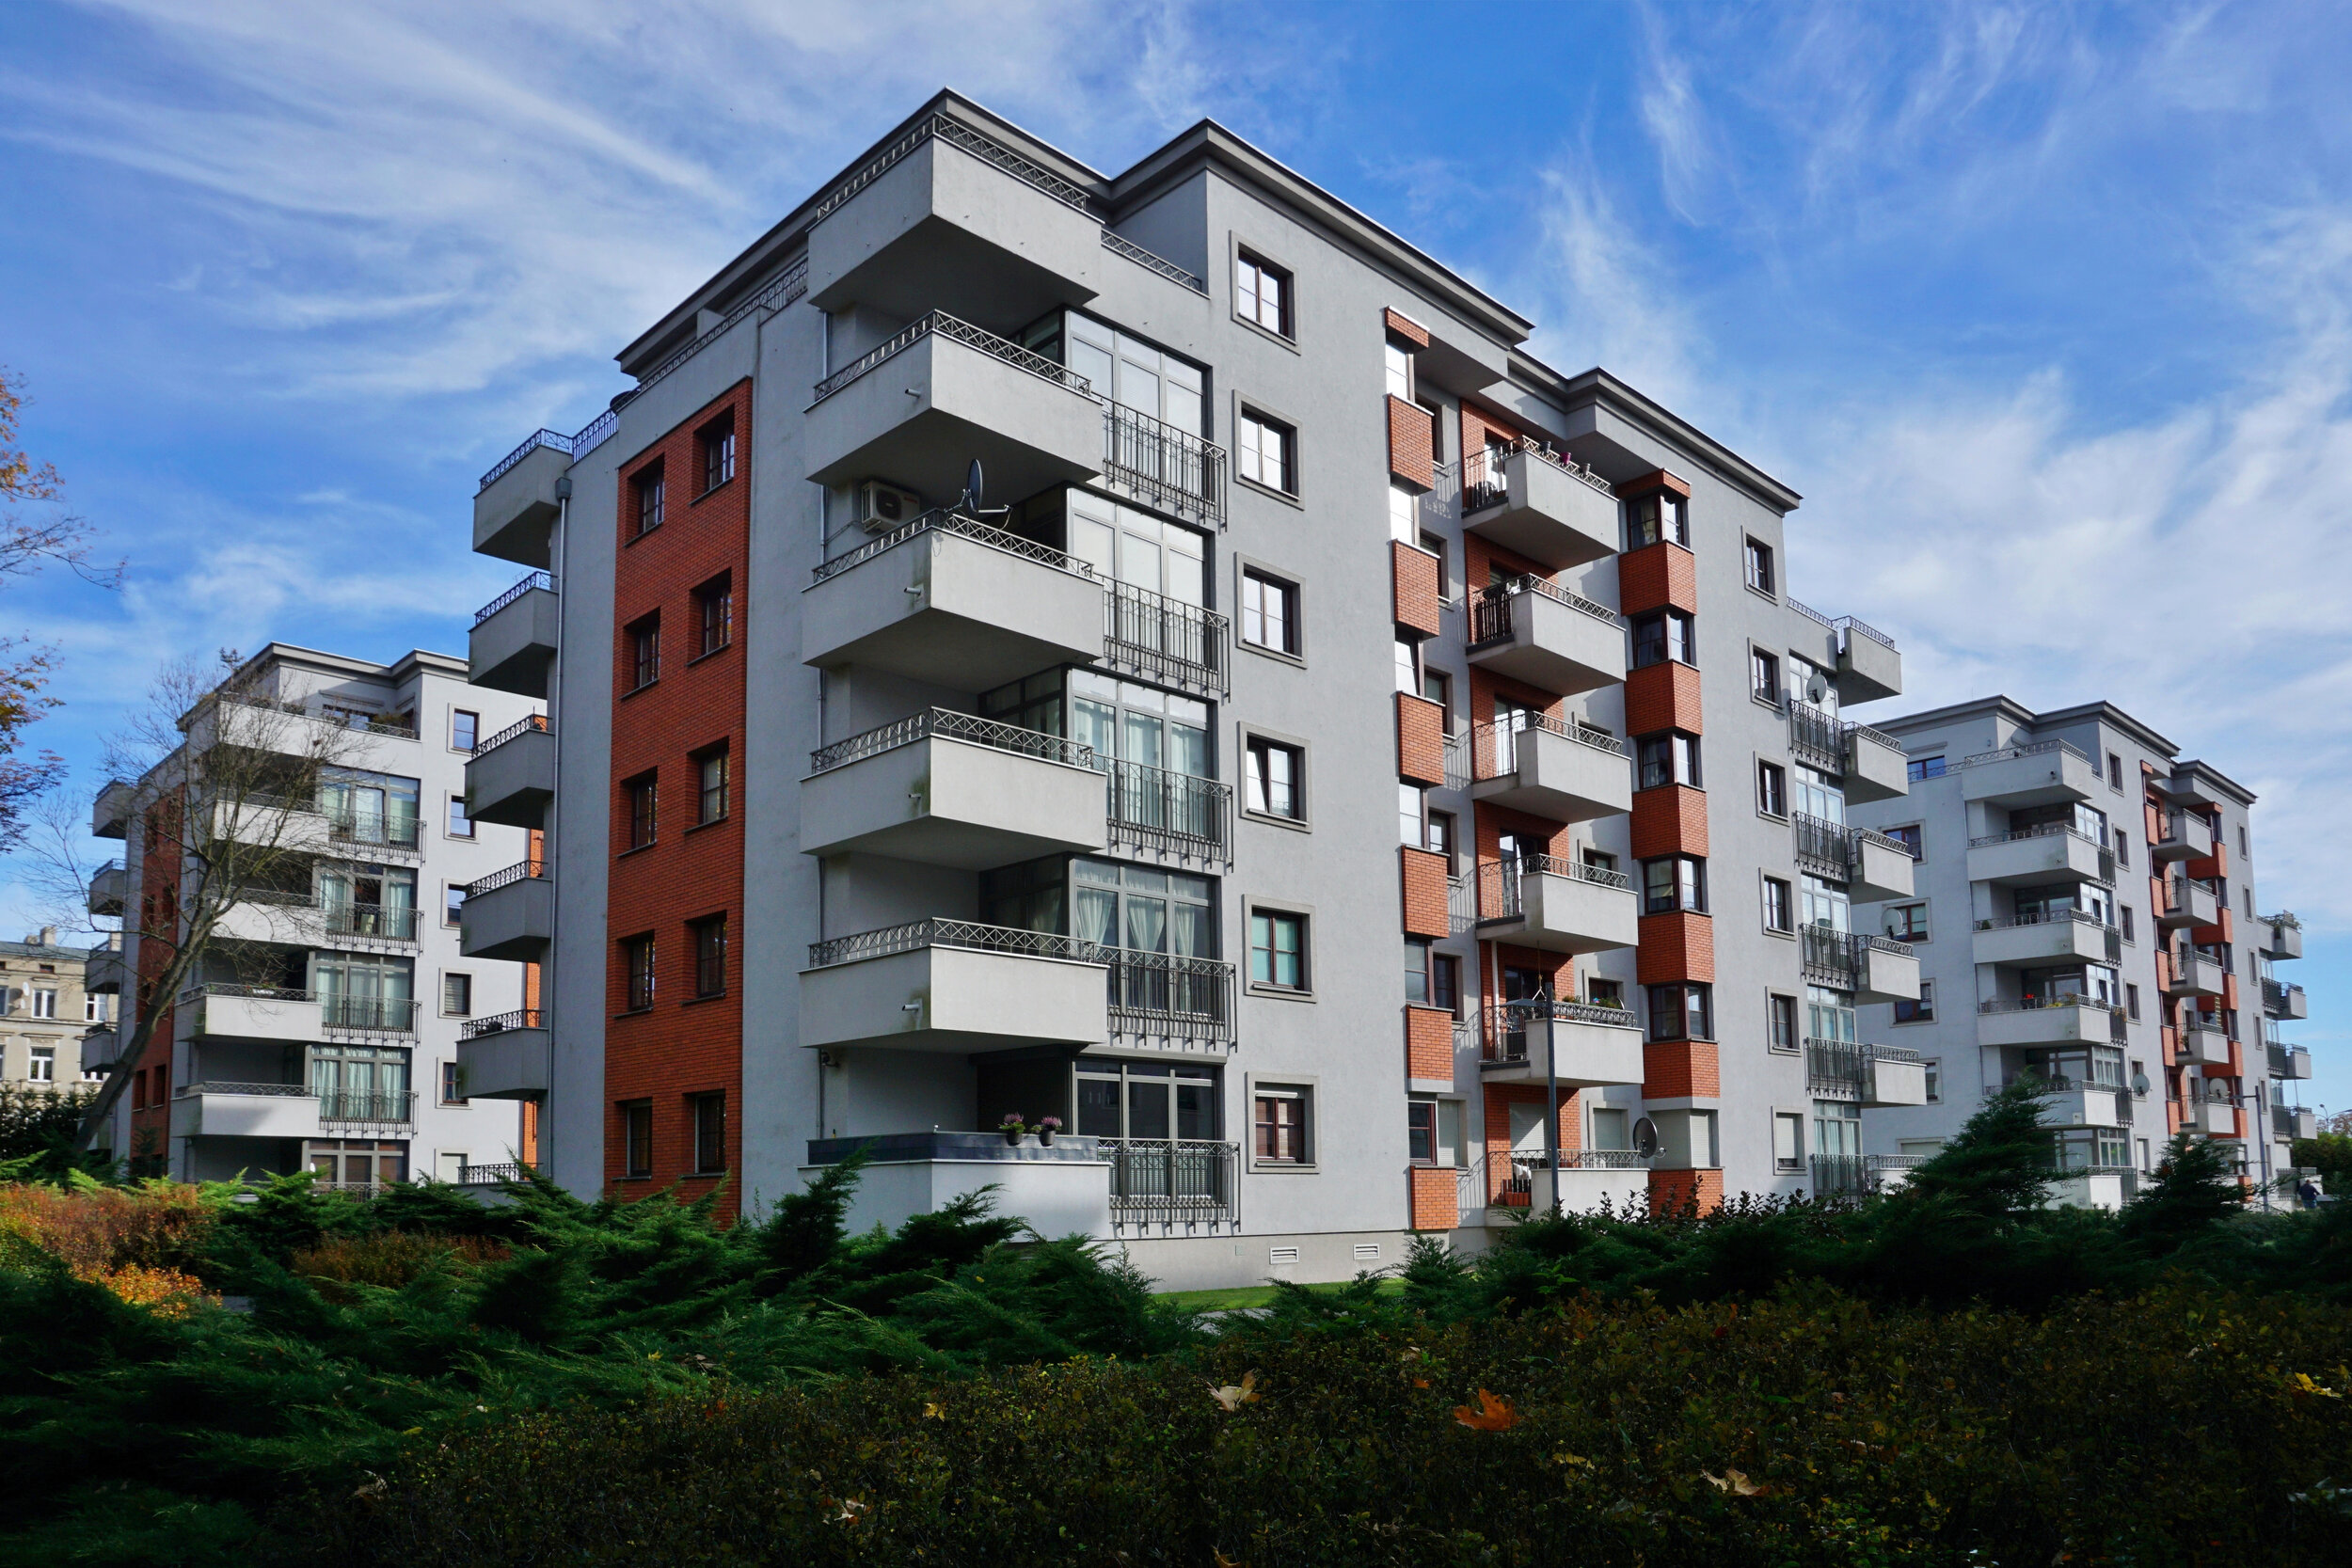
{"points": [[2041, 774], [2205, 1047], [510, 778], [1592, 1046], [2187, 903], [1540, 634], [2215, 1118], [2283, 1001], [1559, 769], [1539, 506], [2035, 856], [939, 393], [1869, 666], [2185, 836], [1880, 868], [2070, 1102], [1556, 905], [505, 1056], [953, 603], [103, 1046], [2064, 1019], [512, 645], [1876, 768], [110, 813], [950, 789], [2062, 937], [109, 887], [2193, 974], [509, 914], [953, 986]]}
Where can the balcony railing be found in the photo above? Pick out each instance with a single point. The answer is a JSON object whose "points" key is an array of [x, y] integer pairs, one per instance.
{"points": [[535, 724], [1491, 612], [1843, 623], [519, 871], [916, 934], [1500, 881], [573, 447], [191, 995], [1120, 245], [1172, 469], [1861, 836], [949, 726], [1835, 958], [1823, 846], [1816, 736], [499, 1023], [283, 1091], [1162, 810], [956, 134], [942, 520], [386, 1108], [388, 1014], [2038, 748], [1494, 745], [2049, 829], [1836, 1069], [535, 581], [388, 922], [2035, 1003], [383, 830], [945, 325], [1484, 486], [1171, 1182], [1506, 1028], [471, 1175], [1163, 639], [2285, 917], [2281, 993], [1517, 1187], [1169, 995], [1840, 1175]]}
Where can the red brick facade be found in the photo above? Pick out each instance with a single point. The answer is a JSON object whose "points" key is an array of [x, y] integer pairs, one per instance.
{"points": [[1432, 1197], [1420, 740], [1673, 1189], [1425, 876], [1663, 696], [1429, 1045], [1412, 440], [1681, 1069], [1663, 576], [1669, 820], [1677, 946], [1415, 574]]}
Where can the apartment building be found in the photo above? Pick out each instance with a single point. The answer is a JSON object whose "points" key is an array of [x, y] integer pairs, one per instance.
{"points": [[1153, 651], [320, 1028], [45, 1009], [2085, 912]]}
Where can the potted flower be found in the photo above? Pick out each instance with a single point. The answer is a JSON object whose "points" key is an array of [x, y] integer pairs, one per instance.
{"points": [[1012, 1127], [1047, 1127]]}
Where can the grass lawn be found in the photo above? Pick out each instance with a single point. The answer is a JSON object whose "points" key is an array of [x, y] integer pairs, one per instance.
{"points": [[1239, 1296]]}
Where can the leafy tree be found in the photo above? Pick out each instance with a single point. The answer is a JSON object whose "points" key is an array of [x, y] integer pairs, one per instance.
{"points": [[2331, 1152]]}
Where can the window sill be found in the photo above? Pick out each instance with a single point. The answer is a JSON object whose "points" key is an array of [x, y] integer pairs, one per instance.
{"points": [[714, 822], [1278, 993], [641, 533], [1779, 817], [1285, 497], [712, 653], [1764, 594], [1762, 701], [712, 491], [641, 686], [1276, 654], [634, 1012], [1283, 1168], [698, 1000], [1784, 936], [1295, 824], [637, 849], [1267, 332]]}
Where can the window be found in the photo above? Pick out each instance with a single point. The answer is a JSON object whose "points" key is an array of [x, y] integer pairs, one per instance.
{"points": [[1907, 921], [1611, 1127], [1261, 294], [44, 1067], [716, 441], [714, 606], [1437, 686], [1440, 840], [642, 797], [460, 825], [457, 995], [1269, 612], [1673, 882], [93, 1008], [711, 786], [1921, 1012], [1663, 636], [1661, 515], [1277, 949], [1421, 1131], [2115, 771], [637, 969], [1936, 1080], [1668, 758], [2244, 848], [1779, 908], [1787, 1141], [1772, 790], [1412, 822], [1279, 1121], [1763, 677], [43, 1000], [710, 955], [1399, 363], [452, 902], [1681, 1012], [2126, 913], [1924, 767], [1759, 564], [645, 651], [1908, 835], [1432, 979], [1435, 545], [1266, 453], [1274, 771], [1780, 1023], [453, 1084], [1405, 517], [1408, 666], [2131, 1002], [637, 1137], [650, 491], [465, 729]]}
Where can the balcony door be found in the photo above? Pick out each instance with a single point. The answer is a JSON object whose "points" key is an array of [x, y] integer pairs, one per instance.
{"points": [[370, 900], [371, 808], [360, 1083], [1149, 742], [363, 990]]}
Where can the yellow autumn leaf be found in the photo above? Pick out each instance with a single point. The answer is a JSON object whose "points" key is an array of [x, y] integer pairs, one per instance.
{"points": [[1235, 1395]]}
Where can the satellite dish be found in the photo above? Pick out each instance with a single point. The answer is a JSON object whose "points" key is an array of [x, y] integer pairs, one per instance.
{"points": [[1815, 689], [2139, 1082], [971, 486], [1645, 1138]]}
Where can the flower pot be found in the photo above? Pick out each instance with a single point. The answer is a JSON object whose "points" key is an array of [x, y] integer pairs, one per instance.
{"points": [[1045, 1137], [1012, 1137]]}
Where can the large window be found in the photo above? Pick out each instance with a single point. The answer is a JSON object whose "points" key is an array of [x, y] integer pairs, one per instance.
{"points": [[1907, 921], [1142, 909], [1269, 612], [1133, 547], [1663, 636], [1836, 1129], [364, 991], [1128, 370], [716, 441], [1924, 767], [636, 1137], [369, 900], [1398, 362], [465, 729], [1432, 979], [1273, 771], [1668, 758], [714, 606], [1277, 949], [1682, 1012], [1829, 1015], [1261, 294], [371, 808], [1758, 560], [1265, 451], [1820, 794], [1148, 1101], [710, 955], [1661, 515], [1673, 882]]}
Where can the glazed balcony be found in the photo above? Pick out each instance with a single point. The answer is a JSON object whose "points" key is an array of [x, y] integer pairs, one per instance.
{"points": [[2185, 836], [2289, 1061], [108, 888], [953, 603], [940, 393], [953, 986], [2191, 973], [2051, 852], [2284, 1001], [1556, 905], [2041, 774], [509, 914], [510, 778], [2041, 941], [951, 789], [1880, 868], [2293, 1121], [110, 813], [1540, 634], [1875, 767], [1869, 666], [2063, 1019], [505, 1056], [1560, 769], [2282, 935], [1592, 1046], [1539, 505], [2187, 903], [512, 645], [2205, 1045]]}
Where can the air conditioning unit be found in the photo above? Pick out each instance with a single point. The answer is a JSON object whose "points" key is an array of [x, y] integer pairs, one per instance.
{"points": [[883, 507]]}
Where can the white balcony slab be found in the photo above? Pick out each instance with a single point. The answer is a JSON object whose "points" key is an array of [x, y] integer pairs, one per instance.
{"points": [[1880, 975], [955, 1000], [1061, 1191], [1892, 1081], [944, 802], [1876, 768], [1881, 870], [203, 1111], [514, 920], [2030, 776], [513, 513], [1549, 644], [1541, 510], [1868, 669], [2065, 1024], [1555, 776], [228, 1016], [2044, 943], [1568, 914], [2196, 976], [2204, 1048], [1591, 1054], [956, 611], [2040, 857], [2215, 1118]]}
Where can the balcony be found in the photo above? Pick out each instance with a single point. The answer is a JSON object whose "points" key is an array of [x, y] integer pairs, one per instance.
{"points": [[2038, 942], [2032, 857], [2286, 1061], [1540, 633], [512, 642], [2293, 1121], [1156, 1183], [1585, 1178], [953, 603], [1869, 666], [2064, 1019], [506, 1056], [2187, 903], [1875, 767], [2070, 1103], [1562, 771], [520, 500], [509, 914], [953, 986], [1168, 469], [951, 789], [2215, 1118], [1898, 1077], [1556, 905], [102, 969], [510, 778], [1063, 1190], [1164, 641], [246, 1111], [1881, 866], [2191, 973], [951, 394], [2042, 774], [1873, 1076], [2204, 1046], [348, 1015], [2185, 836], [381, 1111], [2282, 935], [1884, 970], [1160, 811], [1540, 506], [1823, 846], [378, 741], [1592, 1045], [103, 1046], [229, 1012], [108, 888], [110, 813], [2284, 1001], [945, 214]]}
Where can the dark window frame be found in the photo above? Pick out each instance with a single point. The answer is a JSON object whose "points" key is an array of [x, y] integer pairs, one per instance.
{"points": [[636, 1138], [706, 941], [706, 1120], [714, 615], [640, 958], [649, 488], [1681, 1004], [714, 453]]}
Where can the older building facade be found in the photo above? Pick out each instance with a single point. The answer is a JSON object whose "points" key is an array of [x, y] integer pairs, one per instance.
{"points": [[47, 1004], [1152, 651]]}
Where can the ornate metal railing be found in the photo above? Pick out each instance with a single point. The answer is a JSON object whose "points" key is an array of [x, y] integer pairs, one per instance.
{"points": [[1163, 639], [375, 1107], [1499, 882], [1161, 809], [2035, 1003], [1156, 1182], [190, 995], [1853, 729], [948, 725], [2010, 753], [1836, 1069], [535, 581], [962, 136], [1823, 846], [590, 438], [969, 934], [2285, 917], [1507, 1028], [1840, 1175], [389, 922], [1483, 488], [282, 1091], [1161, 264], [1843, 623], [519, 871], [1492, 616], [2047, 917], [471, 1175], [535, 724], [1494, 745], [944, 522], [779, 291], [1169, 995], [389, 1014], [1816, 735], [499, 1023], [1884, 841], [945, 325], [1826, 956], [1172, 469]]}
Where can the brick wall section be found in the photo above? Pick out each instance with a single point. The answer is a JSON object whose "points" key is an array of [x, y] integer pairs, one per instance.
{"points": [[1677, 946], [682, 1047], [1673, 1189], [2229, 990], [152, 906], [1415, 573], [1669, 820], [1428, 1044], [1405, 329], [1681, 1069], [1412, 438], [1419, 739], [1558, 838], [1663, 576], [2215, 864], [1499, 1098], [2206, 935], [1432, 1197], [1656, 479], [1423, 875], [1662, 696]]}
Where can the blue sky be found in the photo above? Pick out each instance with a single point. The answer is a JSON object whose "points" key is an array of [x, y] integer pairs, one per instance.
{"points": [[2047, 309]]}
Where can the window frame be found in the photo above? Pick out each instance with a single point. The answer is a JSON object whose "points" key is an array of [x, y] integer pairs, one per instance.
{"points": [[1772, 780], [698, 938], [1666, 620], [460, 977], [636, 1139], [457, 820], [641, 973], [1766, 882], [1288, 589], [1918, 770], [1687, 996], [718, 591], [1689, 884], [1248, 412], [449, 1084], [1660, 498], [641, 814], [1253, 741], [1922, 1010], [1275, 912], [1306, 1090], [473, 715], [1779, 1006], [641, 653], [1286, 281], [1913, 931], [723, 754], [453, 905], [1764, 677], [1792, 1164], [1685, 754], [649, 490], [1755, 559], [715, 449]]}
